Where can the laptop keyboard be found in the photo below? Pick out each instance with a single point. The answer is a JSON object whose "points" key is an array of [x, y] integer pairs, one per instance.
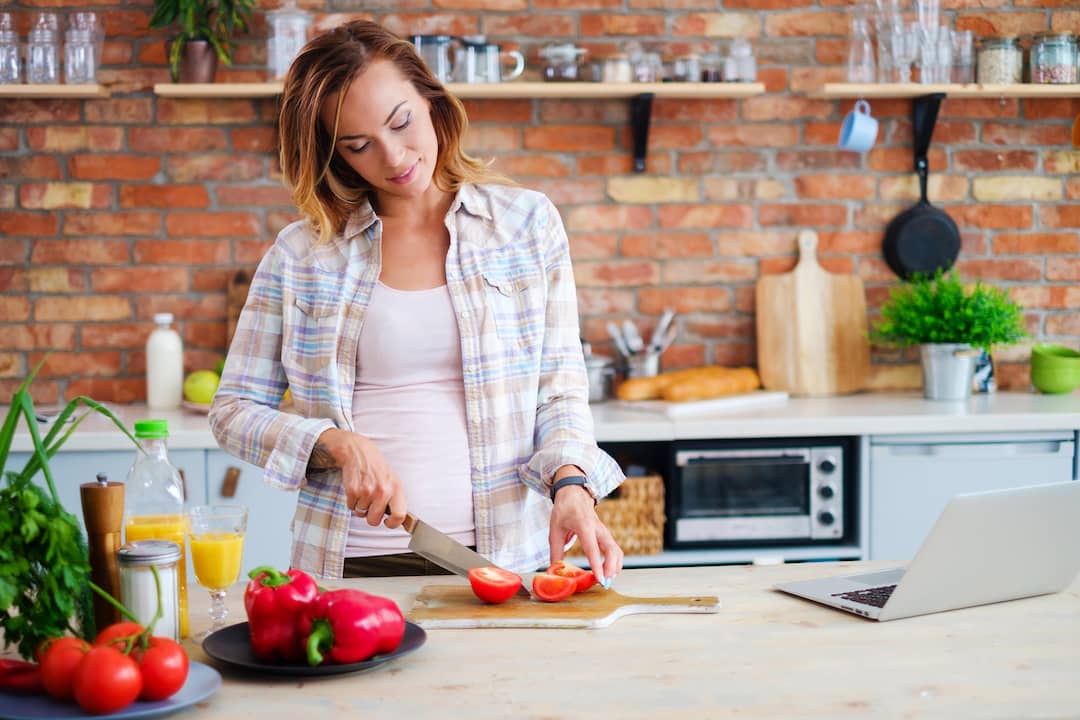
{"points": [[875, 596]]}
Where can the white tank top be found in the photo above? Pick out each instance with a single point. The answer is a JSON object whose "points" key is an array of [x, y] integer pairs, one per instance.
{"points": [[409, 399]]}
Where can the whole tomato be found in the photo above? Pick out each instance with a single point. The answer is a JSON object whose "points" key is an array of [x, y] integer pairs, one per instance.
{"points": [[106, 680], [58, 660], [116, 631], [164, 667]]}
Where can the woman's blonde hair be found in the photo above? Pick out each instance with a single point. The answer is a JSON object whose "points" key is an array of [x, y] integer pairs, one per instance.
{"points": [[325, 188]]}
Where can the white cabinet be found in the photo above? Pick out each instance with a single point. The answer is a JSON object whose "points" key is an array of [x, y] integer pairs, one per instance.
{"points": [[913, 476], [270, 511]]}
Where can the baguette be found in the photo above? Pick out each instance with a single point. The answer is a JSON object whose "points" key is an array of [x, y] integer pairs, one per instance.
{"points": [[653, 388], [733, 382]]}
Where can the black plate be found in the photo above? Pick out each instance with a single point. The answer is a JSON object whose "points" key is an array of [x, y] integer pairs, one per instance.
{"points": [[232, 646]]}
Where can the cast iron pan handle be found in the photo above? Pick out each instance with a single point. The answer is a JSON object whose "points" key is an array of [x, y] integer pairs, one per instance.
{"points": [[924, 112]]}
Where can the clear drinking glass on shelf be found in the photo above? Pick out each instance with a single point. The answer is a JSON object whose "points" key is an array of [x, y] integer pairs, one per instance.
{"points": [[216, 537], [963, 56], [10, 63], [860, 62], [904, 41]]}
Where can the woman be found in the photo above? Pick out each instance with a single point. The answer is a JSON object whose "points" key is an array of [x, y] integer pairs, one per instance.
{"points": [[423, 315]]}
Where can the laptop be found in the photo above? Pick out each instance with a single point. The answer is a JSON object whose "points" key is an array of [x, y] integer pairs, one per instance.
{"points": [[985, 547]]}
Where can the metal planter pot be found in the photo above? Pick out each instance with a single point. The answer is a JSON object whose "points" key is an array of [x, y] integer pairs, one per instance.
{"points": [[947, 370]]}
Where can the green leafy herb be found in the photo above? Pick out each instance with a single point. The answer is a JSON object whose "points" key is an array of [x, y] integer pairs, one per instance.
{"points": [[944, 310], [44, 560]]}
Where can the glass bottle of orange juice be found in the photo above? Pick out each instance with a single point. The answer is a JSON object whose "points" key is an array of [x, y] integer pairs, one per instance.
{"points": [[154, 501]]}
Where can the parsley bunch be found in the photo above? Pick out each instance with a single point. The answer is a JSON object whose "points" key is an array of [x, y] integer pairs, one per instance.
{"points": [[943, 310], [44, 560]]}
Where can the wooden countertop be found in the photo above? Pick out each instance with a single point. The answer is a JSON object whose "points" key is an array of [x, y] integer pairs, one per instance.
{"points": [[765, 654]]}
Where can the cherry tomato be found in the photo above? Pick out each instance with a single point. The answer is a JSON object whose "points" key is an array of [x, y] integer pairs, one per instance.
{"points": [[122, 629], [164, 667], [106, 680], [58, 662], [583, 579], [552, 588], [493, 584]]}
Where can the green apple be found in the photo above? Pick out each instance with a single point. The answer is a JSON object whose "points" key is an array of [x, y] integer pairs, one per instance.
{"points": [[219, 367], [200, 386]]}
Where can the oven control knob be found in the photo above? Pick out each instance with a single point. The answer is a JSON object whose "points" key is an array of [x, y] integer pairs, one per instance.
{"points": [[827, 465], [826, 518], [826, 491]]}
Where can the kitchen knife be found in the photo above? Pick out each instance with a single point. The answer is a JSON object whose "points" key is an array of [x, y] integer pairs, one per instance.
{"points": [[446, 552]]}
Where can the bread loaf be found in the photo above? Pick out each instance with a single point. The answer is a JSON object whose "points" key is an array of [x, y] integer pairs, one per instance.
{"points": [[690, 384]]}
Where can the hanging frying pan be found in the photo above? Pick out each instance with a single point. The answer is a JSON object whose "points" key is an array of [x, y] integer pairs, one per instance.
{"points": [[923, 238]]}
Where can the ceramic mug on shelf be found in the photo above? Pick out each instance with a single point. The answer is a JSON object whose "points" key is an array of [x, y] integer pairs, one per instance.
{"points": [[860, 128]]}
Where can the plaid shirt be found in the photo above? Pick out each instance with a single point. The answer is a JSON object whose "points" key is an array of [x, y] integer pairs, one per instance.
{"points": [[512, 287]]}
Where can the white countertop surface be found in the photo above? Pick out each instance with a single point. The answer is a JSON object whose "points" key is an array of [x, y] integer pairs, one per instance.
{"points": [[862, 414]]}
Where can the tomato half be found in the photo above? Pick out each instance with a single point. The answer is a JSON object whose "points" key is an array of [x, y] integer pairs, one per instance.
{"points": [[58, 662], [164, 667], [106, 680], [552, 588], [493, 584], [583, 579]]}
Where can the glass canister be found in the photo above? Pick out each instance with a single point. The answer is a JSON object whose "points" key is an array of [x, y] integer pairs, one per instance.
{"points": [[138, 590], [43, 50], [10, 64], [562, 62], [1053, 58], [1000, 61], [288, 35]]}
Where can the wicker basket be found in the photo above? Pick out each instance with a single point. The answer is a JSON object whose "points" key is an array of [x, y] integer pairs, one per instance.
{"points": [[635, 517]]}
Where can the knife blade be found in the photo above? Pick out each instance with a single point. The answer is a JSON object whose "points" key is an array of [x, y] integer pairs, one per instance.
{"points": [[445, 551]]}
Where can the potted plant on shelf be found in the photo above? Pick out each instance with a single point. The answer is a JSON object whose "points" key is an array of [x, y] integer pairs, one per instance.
{"points": [[44, 559], [950, 322], [204, 31]]}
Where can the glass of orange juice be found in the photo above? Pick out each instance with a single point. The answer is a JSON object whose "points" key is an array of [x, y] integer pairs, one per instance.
{"points": [[216, 539]]}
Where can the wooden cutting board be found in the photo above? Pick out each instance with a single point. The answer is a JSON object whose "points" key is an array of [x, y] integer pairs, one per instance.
{"points": [[812, 328], [455, 606], [693, 408]]}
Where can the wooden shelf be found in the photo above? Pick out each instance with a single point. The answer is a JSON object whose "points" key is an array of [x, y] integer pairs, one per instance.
{"points": [[515, 90], [871, 91], [53, 90]]}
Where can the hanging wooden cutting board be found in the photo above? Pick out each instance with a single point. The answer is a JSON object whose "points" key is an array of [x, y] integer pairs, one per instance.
{"points": [[455, 606], [812, 328]]}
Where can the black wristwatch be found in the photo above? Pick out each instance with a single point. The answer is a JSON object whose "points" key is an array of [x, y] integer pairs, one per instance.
{"points": [[570, 480]]}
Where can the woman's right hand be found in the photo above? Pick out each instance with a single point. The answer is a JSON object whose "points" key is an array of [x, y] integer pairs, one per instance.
{"points": [[372, 488]]}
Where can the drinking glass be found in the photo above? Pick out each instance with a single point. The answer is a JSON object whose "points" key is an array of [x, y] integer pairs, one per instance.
{"points": [[216, 537], [904, 42]]}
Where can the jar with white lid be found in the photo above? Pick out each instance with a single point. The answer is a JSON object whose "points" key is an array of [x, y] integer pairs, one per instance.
{"points": [[138, 590]]}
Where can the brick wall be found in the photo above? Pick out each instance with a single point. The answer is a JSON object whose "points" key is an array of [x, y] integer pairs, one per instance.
{"points": [[114, 209]]}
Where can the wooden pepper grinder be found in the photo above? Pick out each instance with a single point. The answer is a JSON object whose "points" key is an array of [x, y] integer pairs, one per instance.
{"points": [[103, 511]]}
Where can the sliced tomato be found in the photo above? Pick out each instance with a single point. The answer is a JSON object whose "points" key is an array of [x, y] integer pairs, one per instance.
{"points": [[493, 584], [583, 579], [553, 588]]}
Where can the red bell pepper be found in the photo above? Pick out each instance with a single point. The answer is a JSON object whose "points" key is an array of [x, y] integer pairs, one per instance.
{"points": [[18, 676], [274, 602], [348, 626]]}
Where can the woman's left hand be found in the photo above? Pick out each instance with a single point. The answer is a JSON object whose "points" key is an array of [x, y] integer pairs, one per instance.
{"points": [[574, 513]]}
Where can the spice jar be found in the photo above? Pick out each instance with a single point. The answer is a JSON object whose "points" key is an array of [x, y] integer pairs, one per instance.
{"points": [[138, 590], [617, 69], [1000, 61], [1053, 58]]}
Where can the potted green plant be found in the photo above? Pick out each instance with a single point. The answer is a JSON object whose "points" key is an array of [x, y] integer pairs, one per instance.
{"points": [[950, 322], [203, 34], [44, 560]]}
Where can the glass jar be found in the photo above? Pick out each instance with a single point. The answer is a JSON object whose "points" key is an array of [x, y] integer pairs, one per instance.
{"points": [[43, 50], [686, 68], [288, 35], [1000, 61], [10, 65], [617, 69], [138, 590], [1053, 58], [561, 62]]}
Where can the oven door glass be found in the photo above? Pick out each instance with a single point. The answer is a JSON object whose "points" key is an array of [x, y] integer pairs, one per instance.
{"points": [[746, 487]]}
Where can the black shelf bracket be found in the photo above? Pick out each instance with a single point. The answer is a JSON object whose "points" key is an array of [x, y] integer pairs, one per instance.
{"points": [[640, 115]]}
